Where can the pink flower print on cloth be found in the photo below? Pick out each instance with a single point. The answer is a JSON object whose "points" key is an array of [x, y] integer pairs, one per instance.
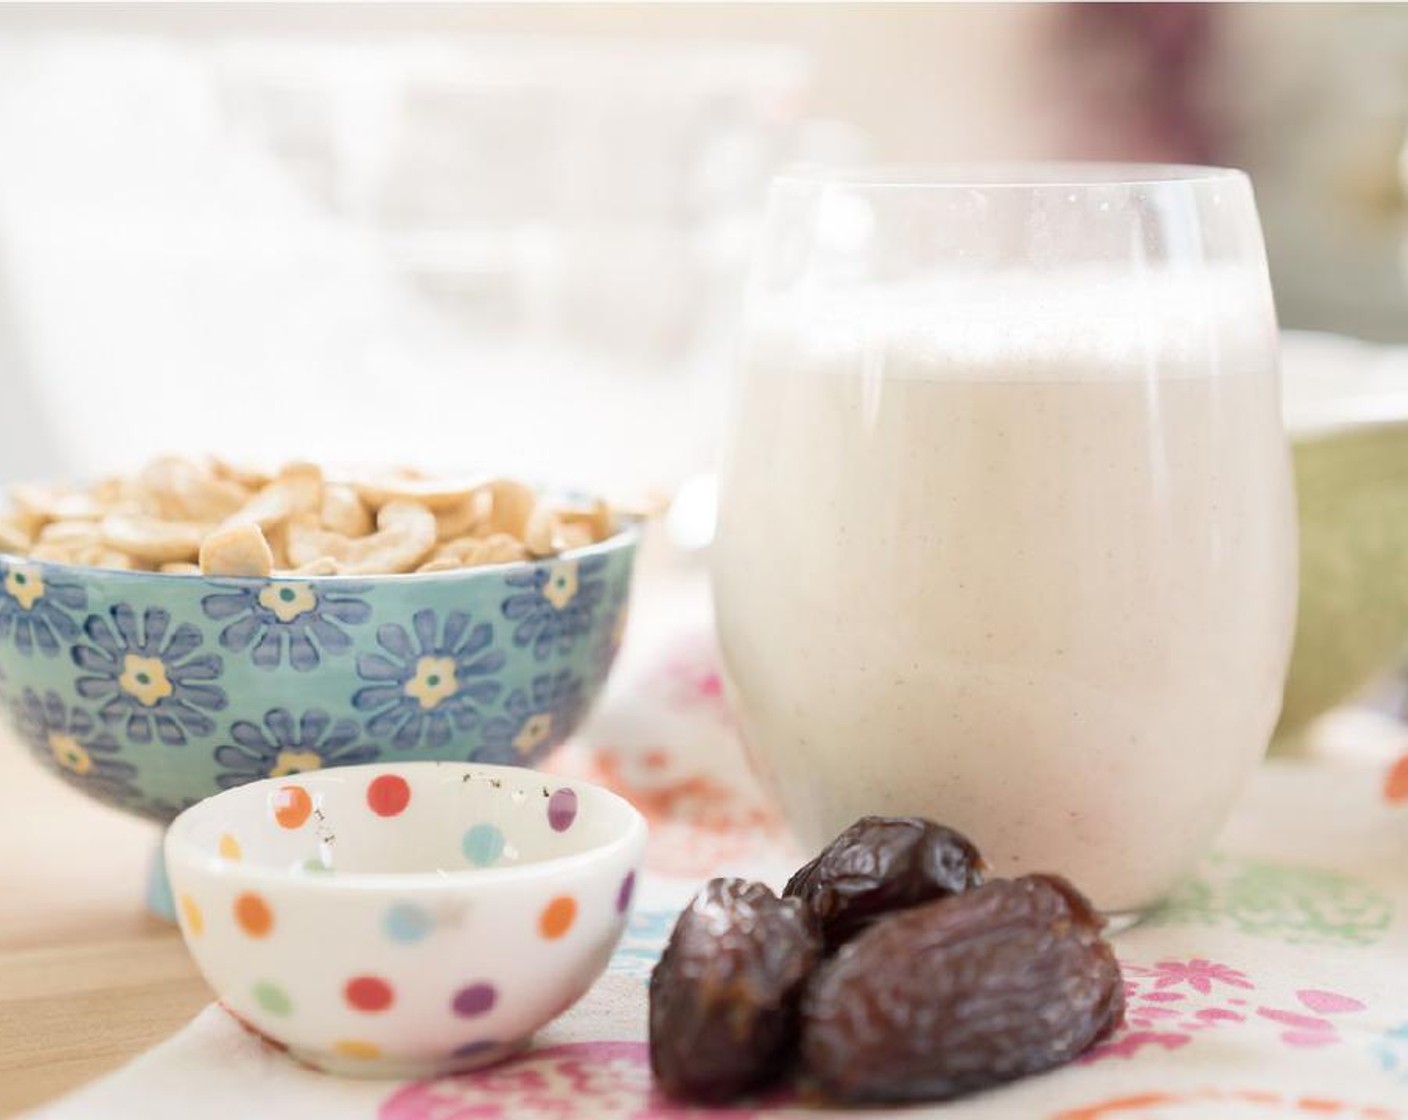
{"points": [[697, 821], [1316, 1029], [577, 1079], [1199, 975], [693, 679], [1169, 1003]]}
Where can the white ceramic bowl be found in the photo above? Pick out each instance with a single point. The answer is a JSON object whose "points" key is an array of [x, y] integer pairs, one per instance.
{"points": [[404, 920]]}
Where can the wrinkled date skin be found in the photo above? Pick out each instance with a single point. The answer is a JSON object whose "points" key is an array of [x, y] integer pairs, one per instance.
{"points": [[1005, 980], [881, 864], [723, 998]]}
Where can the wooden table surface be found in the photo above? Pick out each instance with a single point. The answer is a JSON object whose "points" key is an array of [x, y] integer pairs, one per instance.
{"points": [[88, 978]]}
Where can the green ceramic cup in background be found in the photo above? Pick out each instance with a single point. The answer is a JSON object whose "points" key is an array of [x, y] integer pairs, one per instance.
{"points": [[1347, 412]]}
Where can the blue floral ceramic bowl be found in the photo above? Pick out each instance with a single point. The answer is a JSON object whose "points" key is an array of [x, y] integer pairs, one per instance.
{"points": [[151, 692]]}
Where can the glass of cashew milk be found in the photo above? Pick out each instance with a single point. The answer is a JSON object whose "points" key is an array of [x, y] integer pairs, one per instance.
{"points": [[1007, 531]]}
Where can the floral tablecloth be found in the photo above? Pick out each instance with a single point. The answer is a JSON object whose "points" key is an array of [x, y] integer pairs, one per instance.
{"points": [[1275, 982]]}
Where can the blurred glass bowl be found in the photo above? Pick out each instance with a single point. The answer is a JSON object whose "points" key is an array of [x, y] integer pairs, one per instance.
{"points": [[542, 238]]}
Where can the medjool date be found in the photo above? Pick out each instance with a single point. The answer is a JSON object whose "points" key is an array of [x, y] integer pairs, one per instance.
{"points": [[881, 864], [1002, 981], [723, 998]]}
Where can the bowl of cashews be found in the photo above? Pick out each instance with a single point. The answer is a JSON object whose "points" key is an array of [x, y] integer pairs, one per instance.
{"points": [[197, 625]]}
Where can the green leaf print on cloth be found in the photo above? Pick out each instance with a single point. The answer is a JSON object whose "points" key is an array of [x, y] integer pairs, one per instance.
{"points": [[1296, 905]]}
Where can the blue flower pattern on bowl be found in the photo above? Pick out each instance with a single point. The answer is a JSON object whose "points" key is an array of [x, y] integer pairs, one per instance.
{"points": [[284, 746], [288, 617], [608, 636], [71, 742], [554, 608], [535, 720], [34, 609], [428, 686], [149, 682], [245, 681]]}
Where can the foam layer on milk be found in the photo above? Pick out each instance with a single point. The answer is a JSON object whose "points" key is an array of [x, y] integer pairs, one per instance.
{"points": [[1080, 325]]}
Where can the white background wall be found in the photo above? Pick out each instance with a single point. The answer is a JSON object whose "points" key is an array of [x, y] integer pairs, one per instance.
{"points": [[927, 81], [186, 267]]}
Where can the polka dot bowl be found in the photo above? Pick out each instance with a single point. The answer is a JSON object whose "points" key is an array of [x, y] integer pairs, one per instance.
{"points": [[149, 692], [404, 920]]}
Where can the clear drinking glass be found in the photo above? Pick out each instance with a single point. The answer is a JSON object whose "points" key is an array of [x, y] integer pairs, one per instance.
{"points": [[1007, 531]]}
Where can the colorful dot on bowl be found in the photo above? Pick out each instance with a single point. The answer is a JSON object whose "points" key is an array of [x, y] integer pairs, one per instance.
{"points": [[557, 917], [253, 915], [483, 845], [195, 920], [272, 998], [230, 847], [388, 795], [475, 999], [292, 806], [356, 1048], [408, 923], [628, 889], [368, 993], [562, 809]]}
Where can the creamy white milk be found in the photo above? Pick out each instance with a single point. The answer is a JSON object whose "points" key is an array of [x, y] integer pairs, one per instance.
{"points": [[1029, 578]]}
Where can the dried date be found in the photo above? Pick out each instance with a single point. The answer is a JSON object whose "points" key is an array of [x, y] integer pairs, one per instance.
{"points": [[1005, 980], [882, 864], [723, 998]]}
